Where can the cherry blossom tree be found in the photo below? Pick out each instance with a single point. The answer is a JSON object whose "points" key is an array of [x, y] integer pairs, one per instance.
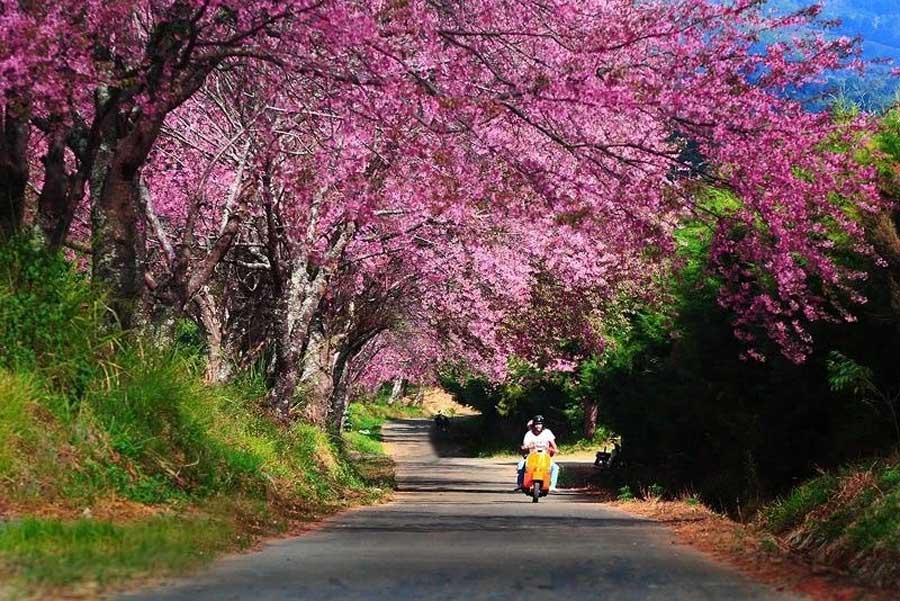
{"points": [[510, 167]]}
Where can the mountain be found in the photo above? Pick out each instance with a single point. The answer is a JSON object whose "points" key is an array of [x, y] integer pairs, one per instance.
{"points": [[878, 23]]}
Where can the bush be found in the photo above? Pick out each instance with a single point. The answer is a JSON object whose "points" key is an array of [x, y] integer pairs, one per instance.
{"points": [[625, 494]]}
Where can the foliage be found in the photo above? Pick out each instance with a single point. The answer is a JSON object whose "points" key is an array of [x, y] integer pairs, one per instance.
{"points": [[142, 429], [404, 236], [625, 494], [51, 319], [851, 515], [654, 492], [845, 374]]}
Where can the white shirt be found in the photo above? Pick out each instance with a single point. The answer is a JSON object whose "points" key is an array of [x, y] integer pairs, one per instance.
{"points": [[541, 440]]}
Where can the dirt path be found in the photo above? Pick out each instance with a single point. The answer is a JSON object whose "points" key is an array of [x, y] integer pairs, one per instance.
{"points": [[455, 531]]}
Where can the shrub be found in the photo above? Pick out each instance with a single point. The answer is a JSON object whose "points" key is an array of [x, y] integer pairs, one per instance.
{"points": [[625, 494]]}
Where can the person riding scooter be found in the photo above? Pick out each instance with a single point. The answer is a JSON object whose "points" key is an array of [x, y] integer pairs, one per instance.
{"points": [[538, 437]]}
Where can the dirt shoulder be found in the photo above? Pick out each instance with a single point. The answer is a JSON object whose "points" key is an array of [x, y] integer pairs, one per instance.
{"points": [[755, 553]]}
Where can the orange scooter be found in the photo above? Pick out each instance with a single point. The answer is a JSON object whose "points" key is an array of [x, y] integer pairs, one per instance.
{"points": [[536, 483]]}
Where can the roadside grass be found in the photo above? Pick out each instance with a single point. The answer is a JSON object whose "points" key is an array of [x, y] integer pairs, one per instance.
{"points": [[364, 442], [118, 461], [52, 553], [849, 519]]}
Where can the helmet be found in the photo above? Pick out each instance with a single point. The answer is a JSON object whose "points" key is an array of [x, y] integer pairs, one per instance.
{"points": [[538, 419]]}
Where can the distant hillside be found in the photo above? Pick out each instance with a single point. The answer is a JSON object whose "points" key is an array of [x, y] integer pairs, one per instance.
{"points": [[878, 22]]}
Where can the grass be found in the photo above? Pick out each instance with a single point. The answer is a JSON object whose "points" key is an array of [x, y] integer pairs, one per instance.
{"points": [[852, 515], [55, 553], [174, 470], [791, 510]]}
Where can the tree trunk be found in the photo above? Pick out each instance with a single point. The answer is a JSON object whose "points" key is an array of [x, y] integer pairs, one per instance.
{"points": [[340, 392], [14, 132], [219, 367], [397, 390], [281, 395], [61, 193], [51, 201], [292, 339], [118, 243], [302, 300], [591, 411]]}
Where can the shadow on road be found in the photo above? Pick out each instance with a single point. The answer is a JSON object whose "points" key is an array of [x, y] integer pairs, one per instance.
{"points": [[481, 521]]}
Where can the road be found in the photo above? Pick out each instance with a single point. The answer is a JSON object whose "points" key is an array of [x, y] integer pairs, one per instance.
{"points": [[455, 531]]}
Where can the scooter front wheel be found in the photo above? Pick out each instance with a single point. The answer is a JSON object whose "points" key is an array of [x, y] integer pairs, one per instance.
{"points": [[535, 491]]}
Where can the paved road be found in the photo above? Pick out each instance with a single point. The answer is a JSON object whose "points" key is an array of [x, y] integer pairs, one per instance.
{"points": [[455, 531]]}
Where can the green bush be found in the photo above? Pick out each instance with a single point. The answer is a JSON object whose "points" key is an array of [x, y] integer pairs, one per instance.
{"points": [[625, 494], [135, 420], [90, 416]]}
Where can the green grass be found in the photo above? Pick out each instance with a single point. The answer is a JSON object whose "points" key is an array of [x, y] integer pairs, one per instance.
{"points": [[854, 513], [56, 553], [878, 526], [93, 418], [16, 425], [791, 511]]}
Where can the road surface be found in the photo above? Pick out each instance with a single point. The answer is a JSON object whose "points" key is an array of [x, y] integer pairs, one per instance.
{"points": [[455, 531]]}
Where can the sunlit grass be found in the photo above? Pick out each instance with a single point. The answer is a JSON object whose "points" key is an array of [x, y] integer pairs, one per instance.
{"points": [[55, 553]]}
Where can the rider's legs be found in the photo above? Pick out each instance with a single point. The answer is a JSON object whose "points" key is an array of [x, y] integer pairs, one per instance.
{"points": [[520, 473], [554, 475]]}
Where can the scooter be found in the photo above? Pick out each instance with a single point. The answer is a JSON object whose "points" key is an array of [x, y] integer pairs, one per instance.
{"points": [[441, 422], [608, 460], [536, 483]]}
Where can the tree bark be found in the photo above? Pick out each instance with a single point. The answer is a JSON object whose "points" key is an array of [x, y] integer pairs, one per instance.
{"points": [[118, 244], [302, 297], [62, 192], [14, 133], [219, 366], [397, 390], [340, 392], [52, 199], [591, 411]]}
